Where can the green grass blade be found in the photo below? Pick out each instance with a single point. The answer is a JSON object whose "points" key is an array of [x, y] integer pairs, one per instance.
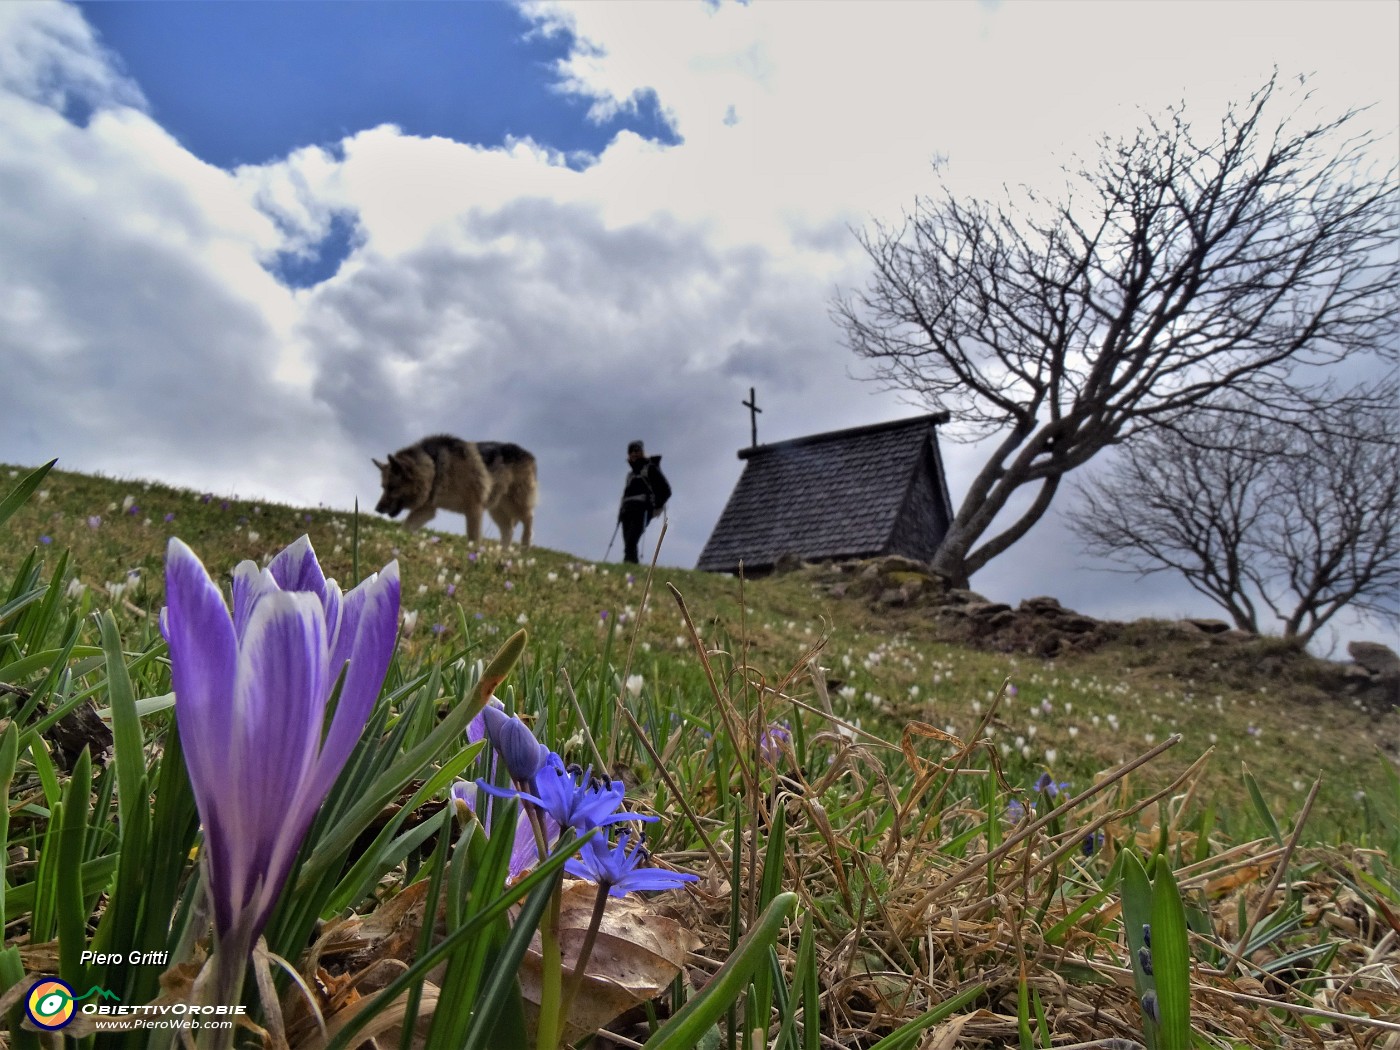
{"points": [[19, 495], [1042, 1024], [45, 884], [11, 974], [473, 927], [498, 989], [806, 960], [71, 914], [9, 758], [96, 874], [904, 1036], [44, 769], [18, 670], [1171, 959], [118, 931], [174, 824], [1261, 807], [1056, 933], [388, 847], [1137, 916], [1023, 1015], [338, 841], [811, 998], [684, 1030]]}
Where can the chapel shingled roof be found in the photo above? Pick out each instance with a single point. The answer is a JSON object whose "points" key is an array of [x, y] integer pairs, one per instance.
{"points": [[854, 493]]}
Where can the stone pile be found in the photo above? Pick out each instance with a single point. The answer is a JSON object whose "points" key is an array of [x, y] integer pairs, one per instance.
{"points": [[1375, 672], [1043, 627], [1037, 625]]}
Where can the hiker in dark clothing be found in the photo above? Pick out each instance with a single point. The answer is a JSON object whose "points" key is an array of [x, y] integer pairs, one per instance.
{"points": [[643, 495]]}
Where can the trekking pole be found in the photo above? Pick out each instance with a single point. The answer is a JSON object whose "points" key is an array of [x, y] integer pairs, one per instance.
{"points": [[613, 540]]}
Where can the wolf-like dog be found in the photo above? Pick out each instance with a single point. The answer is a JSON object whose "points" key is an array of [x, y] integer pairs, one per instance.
{"points": [[446, 473]]}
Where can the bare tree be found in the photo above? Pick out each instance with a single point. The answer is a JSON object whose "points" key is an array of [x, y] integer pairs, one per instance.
{"points": [[1180, 265], [1260, 517]]}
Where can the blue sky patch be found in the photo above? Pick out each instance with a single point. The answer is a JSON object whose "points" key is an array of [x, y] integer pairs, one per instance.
{"points": [[245, 83], [305, 271]]}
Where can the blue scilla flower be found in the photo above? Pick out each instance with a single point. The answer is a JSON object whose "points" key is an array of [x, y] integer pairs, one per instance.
{"points": [[511, 738], [573, 797], [1046, 783], [618, 869]]}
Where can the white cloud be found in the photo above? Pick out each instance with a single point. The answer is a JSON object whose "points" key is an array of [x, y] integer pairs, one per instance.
{"points": [[500, 294], [49, 55]]}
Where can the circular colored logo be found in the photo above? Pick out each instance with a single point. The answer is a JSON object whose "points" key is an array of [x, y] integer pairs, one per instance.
{"points": [[50, 1004]]}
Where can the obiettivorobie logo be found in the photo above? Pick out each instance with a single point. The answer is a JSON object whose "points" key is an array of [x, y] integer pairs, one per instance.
{"points": [[51, 1004]]}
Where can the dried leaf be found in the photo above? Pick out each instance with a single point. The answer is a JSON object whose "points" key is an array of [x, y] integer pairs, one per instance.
{"points": [[636, 955], [386, 1022], [945, 1036]]}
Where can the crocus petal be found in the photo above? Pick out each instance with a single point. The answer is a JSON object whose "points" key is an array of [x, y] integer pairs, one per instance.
{"points": [[203, 658], [296, 568], [334, 603], [279, 703], [377, 604], [463, 796], [203, 655], [348, 609], [250, 584], [525, 853]]}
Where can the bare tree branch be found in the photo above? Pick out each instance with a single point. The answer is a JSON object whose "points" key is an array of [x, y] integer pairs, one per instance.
{"points": [[1184, 265], [1256, 515]]}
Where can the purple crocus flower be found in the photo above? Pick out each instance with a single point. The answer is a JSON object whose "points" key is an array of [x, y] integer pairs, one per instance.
{"points": [[773, 741], [252, 688], [618, 869]]}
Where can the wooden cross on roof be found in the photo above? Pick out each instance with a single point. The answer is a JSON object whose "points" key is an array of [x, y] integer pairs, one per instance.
{"points": [[752, 405]]}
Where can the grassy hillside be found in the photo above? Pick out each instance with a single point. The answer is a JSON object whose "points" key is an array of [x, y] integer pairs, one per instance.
{"points": [[1073, 716], [957, 816]]}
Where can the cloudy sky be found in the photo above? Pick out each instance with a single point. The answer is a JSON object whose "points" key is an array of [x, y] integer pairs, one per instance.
{"points": [[245, 247]]}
